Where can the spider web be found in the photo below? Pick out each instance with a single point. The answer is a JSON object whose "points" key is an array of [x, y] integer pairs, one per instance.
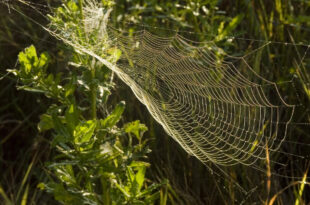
{"points": [[194, 90], [213, 104], [201, 99]]}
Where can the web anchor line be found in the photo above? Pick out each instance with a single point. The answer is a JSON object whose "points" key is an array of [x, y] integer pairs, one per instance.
{"points": [[233, 37], [48, 9]]}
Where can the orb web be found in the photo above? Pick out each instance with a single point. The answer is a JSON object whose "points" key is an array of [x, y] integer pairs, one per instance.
{"points": [[213, 104], [215, 110]]}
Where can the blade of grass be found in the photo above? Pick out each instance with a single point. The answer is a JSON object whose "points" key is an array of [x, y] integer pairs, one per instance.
{"points": [[5, 197], [163, 195], [268, 173], [26, 176], [273, 199], [25, 195], [301, 188]]}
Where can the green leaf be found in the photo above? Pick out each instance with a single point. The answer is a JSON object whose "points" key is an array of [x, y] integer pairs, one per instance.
{"points": [[114, 117], [84, 131], [222, 33], [63, 195], [62, 132], [136, 128], [136, 178], [150, 189], [46, 123], [131, 174], [28, 59], [139, 177], [41, 186], [73, 6], [43, 60], [152, 198], [65, 174], [115, 54], [72, 117], [122, 189], [139, 164], [30, 63], [71, 86], [32, 89]]}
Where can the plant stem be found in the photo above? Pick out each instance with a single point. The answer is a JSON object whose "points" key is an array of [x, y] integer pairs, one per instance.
{"points": [[93, 106], [106, 191], [81, 9]]}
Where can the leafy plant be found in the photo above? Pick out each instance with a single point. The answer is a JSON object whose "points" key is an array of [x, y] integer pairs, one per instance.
{"points": [[95, 161]]}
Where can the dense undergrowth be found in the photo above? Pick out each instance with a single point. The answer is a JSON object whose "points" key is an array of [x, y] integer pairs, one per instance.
{"points": [[67, 136]]}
